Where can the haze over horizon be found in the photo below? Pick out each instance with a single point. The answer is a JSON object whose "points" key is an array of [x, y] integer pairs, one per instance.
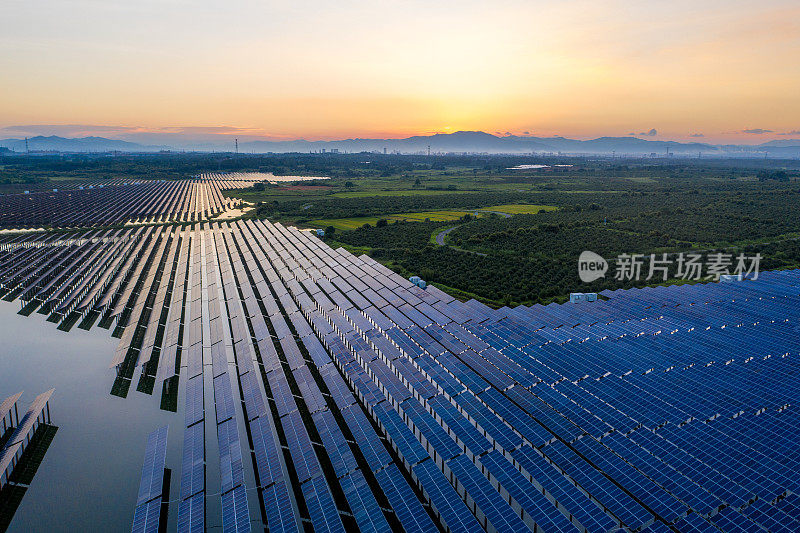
{"points": [[725, 72]]}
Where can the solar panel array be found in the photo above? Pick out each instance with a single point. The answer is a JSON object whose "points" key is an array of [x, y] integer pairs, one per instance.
{"points": [[346, 397], [17, 433], [148, 513], [119, 202]]}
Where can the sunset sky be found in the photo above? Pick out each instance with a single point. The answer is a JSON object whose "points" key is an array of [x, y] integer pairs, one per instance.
{"points": [[726, 70]]}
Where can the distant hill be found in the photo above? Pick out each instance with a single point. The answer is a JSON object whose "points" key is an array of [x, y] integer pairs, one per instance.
{"points": [[478, 141], [783, 143], [461, 141], [77, 144]]}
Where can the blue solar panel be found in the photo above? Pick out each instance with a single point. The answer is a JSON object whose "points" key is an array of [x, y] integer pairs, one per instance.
{"points": [[308, 389], [281, 393], [418, 382], [693, 523], [230, 455], [537, 508], [663, 474], [446, 502], [155, 457], [235, 514], [321, 507], [671, 401], [463, 373], [193, 462], [516, 418], [146, 517], [194, 401], [730, 520], [336, 446], [223, 398], [391, 384], [148, 506], [316, 351], [191, 514], [458, 425], [496, 510], [303, 457], [401, 436], [368, 515], [404, 502], [593, 481], [267, 451], [365, 437], [661, 502], [563, 491], [436, 437], [292, 353], [279, 510], [490, 423], [251, 394]]}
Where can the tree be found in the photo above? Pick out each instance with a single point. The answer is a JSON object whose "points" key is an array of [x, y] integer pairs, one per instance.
{"points": [[382, 223], [417, 183], [349, 184], [330, 230]]}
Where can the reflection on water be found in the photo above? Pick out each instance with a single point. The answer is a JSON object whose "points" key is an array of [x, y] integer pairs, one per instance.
{"points": [[88, 479], [25, 470]]}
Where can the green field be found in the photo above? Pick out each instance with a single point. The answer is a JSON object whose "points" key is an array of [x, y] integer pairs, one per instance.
{"points": [[412, 192], [431, 216], [519, 209], [357, 222]]}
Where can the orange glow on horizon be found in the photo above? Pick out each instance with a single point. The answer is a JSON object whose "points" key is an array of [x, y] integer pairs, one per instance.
{"points": [[315, 71]]}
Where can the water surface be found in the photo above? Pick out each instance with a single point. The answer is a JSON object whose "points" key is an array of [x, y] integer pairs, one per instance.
{"points": [[89, 478]]}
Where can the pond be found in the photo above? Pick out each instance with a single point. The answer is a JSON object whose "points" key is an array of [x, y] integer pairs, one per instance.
{"points": [[89, 477]]}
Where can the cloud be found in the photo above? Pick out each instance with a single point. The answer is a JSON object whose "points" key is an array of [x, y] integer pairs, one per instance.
{"points": [[526, 133], [73, 130], [140, 133], [696, 135], [652, 133], [793, 132], [757, 131]]}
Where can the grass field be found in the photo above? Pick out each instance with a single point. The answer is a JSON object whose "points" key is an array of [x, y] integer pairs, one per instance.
{"points": [[433, 216], [394, 192], [519, 209], [357, 222]]}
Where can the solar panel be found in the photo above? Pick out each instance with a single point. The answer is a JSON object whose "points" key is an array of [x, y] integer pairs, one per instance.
{"points": [[191, 514], [444, 500], [365, 437], [661, 405], [235, 514], [146, 517], [155, 457], [279, 510], [193, 462], [404, 502], [362, 503], [321, 507], [501, 516]]}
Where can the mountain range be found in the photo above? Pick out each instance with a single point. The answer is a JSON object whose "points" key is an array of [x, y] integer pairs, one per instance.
{"points": [[462, 141]]}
